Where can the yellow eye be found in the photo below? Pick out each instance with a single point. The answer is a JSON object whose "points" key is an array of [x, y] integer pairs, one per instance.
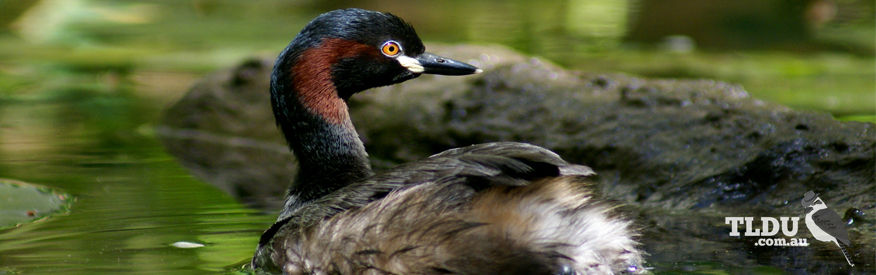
{"points": [[390, 48]]}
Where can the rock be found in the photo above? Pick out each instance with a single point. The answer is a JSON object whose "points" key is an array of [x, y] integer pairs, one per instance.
{"points": [[683, 154], [224, 132]]}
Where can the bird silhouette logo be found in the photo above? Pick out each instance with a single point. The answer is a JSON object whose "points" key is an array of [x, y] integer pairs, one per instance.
{"points": [[825, 224]]}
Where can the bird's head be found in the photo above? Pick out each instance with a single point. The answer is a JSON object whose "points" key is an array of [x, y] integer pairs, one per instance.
{"points": [[343, 52], [357, 49]]}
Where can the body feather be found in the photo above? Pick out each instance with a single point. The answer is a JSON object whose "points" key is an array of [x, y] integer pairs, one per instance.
{"points": [[497, 206]]}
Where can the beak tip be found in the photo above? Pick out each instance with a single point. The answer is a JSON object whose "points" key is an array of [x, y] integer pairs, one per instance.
{"points": [[433, 64]]}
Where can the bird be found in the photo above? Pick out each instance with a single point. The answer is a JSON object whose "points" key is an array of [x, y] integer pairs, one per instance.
{"points": [[825, 224], [492, 208]]}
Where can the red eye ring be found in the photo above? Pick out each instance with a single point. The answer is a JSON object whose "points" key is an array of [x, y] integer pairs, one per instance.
{"points": [[391, 48]]}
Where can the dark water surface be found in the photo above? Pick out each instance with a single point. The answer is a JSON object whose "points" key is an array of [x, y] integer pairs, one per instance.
{"points": [[83, 82]]}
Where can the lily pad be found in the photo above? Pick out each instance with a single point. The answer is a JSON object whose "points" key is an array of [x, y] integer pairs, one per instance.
{"points": [[22, 202]]}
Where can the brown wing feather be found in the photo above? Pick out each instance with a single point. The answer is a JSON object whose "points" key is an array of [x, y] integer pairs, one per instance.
{"points": [[472, 169], [541, 228]]}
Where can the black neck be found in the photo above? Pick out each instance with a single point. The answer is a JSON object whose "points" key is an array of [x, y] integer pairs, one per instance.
{"points": [[330, 155]]}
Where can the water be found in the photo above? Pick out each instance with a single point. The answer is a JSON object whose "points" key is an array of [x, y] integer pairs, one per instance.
{"points": [[132, 200], [82, 85]]}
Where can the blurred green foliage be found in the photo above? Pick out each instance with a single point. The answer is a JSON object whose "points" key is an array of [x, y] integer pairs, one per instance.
{"points": [[48, 44]]}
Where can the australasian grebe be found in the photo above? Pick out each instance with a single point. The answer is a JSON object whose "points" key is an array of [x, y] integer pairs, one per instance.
{"points": [[495, 208]]}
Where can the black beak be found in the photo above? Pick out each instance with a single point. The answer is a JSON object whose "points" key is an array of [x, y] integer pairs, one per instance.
{"points": [[433, 64]]}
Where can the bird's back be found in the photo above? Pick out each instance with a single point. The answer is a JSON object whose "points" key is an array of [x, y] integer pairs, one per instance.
{"points": [[487, 209], [549, 227]]}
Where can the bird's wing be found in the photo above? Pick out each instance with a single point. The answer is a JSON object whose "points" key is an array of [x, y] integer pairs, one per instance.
{"points": [[479, 166], [830, 222], [532, 155], [498, 207], [551, 226], [476, 166]]}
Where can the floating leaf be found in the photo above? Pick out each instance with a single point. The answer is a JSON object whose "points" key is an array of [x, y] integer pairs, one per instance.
{"points": [[22, 202]]}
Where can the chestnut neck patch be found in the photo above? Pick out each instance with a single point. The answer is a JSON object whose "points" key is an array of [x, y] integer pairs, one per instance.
{"points": [[312, 77]]}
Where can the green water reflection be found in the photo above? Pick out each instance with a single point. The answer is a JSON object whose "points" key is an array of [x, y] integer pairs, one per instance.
{"points": [[83, 81], [133, 200]]}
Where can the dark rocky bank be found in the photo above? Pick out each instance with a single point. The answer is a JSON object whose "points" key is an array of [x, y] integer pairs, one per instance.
{"points": [[683, 154]]}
